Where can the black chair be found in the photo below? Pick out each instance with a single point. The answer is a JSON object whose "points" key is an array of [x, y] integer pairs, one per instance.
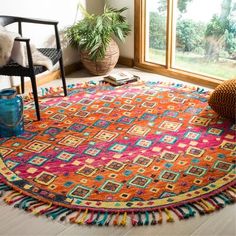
{"points": [[55, 54]]}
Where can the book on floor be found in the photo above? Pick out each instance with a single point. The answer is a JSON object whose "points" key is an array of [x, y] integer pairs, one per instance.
{"points": [[120, 78]]}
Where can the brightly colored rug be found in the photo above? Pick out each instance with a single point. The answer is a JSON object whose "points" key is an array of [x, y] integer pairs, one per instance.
{"points": [[147, 150]]}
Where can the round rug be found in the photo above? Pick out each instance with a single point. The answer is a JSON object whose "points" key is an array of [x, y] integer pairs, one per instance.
{"points": [[141, 149]]}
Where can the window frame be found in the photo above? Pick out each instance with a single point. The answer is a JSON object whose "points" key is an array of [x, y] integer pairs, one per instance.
{"points": [[167, 70]]}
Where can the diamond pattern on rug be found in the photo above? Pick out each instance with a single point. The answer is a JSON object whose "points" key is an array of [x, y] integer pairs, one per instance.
{"points": [[138, 148]]}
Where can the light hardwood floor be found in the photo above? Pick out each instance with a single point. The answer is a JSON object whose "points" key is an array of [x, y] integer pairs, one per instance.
{"points": [[18, 223]]}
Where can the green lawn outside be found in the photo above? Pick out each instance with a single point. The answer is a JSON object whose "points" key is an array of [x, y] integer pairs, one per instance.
{"points": [[225, 69]]}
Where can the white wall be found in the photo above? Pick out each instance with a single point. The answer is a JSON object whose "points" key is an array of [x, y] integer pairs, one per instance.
{"points": [[63, 11], [127, 48]]}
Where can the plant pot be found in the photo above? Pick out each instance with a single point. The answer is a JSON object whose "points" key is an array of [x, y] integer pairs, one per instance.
{"points": [[104, 66]]}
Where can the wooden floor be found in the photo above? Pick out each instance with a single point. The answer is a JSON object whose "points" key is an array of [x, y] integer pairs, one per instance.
{"points": [[17, 222]]}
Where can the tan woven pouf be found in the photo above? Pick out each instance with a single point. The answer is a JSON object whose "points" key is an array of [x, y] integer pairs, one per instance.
{"points": [[223, 99]]}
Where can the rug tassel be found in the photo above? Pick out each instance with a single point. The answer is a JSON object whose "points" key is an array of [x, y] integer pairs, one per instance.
{"points": [[102, 221], [195, 206], [169, 216], [216, 206], [33, 207], [205, 206], [146, 222], [219, 204], [42, 211], [15, 199], [184, 214], [178, 212], [47, 210], [133, 220], [51, 90], [140, 221], [57, 213], [116, 220], [229, 196], [29, 204], [153, 222], [78, 84], [191, 212], [90, 220], [210, 206], [226, 200], [109, 219], [231, 193], [42, 91], [160, 217], [205, 209], [124, 219], [5, 188], [18, 201], [23, 202], [63, 218], [10, 196], [74, 218], [46, 91], [83, 218], [232, 189], [96, 218], [53, 211]]}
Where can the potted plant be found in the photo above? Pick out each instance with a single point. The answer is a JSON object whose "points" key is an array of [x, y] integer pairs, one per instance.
{"points": [[94, 34]]}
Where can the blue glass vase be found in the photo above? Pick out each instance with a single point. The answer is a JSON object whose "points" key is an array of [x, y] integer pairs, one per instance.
{"points": [[11, 113]]}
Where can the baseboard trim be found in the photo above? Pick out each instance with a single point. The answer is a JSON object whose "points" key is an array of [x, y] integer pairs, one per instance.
{"points": [[73, 68], [126, 61], [43, 79]]}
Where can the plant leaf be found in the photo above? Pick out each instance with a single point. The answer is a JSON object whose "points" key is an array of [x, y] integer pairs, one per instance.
{"points": [[94, 32]]}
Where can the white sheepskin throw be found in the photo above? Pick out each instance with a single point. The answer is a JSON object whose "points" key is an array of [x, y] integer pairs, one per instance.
{"points": [[11, 49]]}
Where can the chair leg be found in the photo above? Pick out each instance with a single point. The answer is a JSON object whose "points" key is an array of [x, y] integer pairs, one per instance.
{"points": [[63, 76], [22, 79], [35, 93]]}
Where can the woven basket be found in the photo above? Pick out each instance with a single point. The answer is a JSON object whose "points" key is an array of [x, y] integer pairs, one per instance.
{"points": [[105, 65], [223, 99]]}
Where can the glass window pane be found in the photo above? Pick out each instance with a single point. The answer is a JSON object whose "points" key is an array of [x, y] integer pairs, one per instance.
{"points": [[205, 37], [155, 45]]}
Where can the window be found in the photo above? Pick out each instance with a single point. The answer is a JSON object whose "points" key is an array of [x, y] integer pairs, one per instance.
{"points": [[156, 31], [189, 39]]}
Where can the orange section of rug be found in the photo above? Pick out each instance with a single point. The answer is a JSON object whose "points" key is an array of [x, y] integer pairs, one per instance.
{"points": [[144, 149]]}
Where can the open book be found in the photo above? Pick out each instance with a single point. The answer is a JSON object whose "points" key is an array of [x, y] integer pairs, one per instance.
{"points": [[120, 78]]}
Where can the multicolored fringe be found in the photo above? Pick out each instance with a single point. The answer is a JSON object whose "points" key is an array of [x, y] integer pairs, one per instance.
{"points": [[43, 92], [51, 90], [119, 218], [158, 215]]}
